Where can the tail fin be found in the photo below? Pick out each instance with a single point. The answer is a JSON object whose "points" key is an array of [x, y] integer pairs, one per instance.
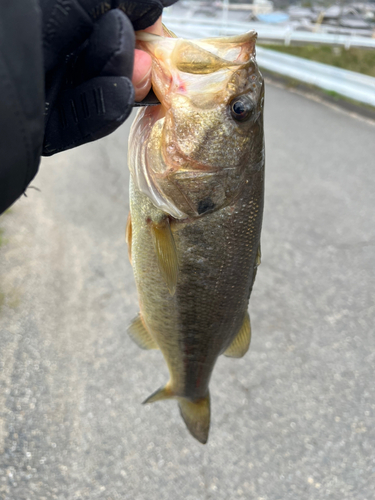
{"points": [[196, 417]]}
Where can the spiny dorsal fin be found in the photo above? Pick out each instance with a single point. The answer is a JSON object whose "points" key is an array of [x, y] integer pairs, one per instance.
{"points": [[197, 417], [241, 342], [166, 253], [138, 333]]}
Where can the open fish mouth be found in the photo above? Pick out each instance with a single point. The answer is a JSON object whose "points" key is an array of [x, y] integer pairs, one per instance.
{"points": [[178, 64]]}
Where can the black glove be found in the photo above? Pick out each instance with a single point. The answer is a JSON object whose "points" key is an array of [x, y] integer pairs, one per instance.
{"points": [[88, 60]]}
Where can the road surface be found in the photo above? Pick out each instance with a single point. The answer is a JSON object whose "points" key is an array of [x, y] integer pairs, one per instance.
{"points": [[294, 419]]}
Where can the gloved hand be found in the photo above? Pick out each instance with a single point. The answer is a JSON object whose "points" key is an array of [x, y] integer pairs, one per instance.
{"points": [[88, 48]]}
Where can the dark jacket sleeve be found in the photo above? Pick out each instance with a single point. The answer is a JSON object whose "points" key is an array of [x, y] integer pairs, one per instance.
{"points": [[21, 97]]}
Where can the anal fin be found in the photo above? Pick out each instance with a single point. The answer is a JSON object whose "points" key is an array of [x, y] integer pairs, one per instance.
{"points": [[139, 334], [166, 253], [241, 342], [159, 395]]}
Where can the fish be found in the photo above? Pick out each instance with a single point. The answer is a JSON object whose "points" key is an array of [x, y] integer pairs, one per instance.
{"points": [[196, 203]]}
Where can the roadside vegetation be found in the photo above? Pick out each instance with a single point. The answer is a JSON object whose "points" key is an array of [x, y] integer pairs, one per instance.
{"points": [[359, 60]]}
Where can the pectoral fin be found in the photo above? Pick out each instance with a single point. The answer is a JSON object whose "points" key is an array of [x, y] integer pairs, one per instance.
{"points": [[128, 236], [166, 253], [196, 416], [240, 344], [138, 333]]}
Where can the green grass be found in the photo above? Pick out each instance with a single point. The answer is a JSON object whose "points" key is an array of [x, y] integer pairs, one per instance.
{"points": [[359, 60]]}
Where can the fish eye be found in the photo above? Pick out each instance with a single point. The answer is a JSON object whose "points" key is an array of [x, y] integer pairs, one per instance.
{"points": [[241, 108]]}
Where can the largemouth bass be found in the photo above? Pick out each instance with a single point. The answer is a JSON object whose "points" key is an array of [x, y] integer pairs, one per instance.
{"points": [[196, 204]]}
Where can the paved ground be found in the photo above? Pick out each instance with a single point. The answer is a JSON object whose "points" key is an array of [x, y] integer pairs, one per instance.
{"points": [[292, 420]]}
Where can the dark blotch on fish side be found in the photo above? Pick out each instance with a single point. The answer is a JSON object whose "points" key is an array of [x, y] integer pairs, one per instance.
{"points": [[205, 205]]}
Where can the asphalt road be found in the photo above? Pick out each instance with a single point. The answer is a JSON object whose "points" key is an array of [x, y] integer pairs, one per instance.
{"points": [[294, 419]]}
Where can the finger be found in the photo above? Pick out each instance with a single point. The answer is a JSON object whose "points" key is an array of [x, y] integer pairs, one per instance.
{"points": [[108, 52], [110, 49], [67, 24], [156, 28], [142, 66], [142, 13], [88, 112], [141, 74], [64, 27]]}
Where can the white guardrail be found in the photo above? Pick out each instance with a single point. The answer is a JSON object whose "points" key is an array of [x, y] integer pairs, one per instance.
{"points": [[356, 86], [353, 85], [282, 34]]}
